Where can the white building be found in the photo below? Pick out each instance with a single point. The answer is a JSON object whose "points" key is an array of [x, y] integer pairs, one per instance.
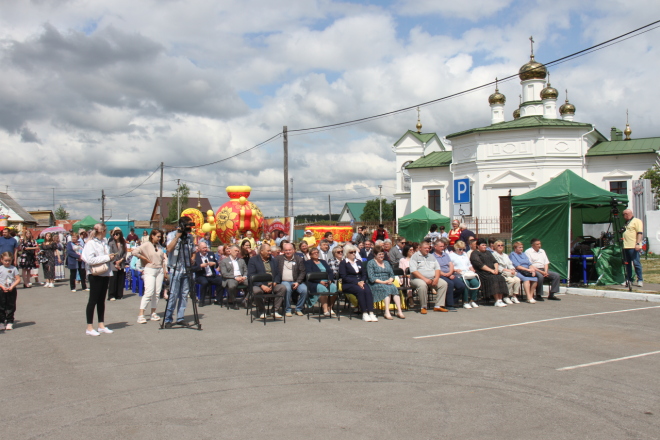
{"points": [[508, 158]]}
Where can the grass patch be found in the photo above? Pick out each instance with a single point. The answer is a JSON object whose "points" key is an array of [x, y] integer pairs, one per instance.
{"points": [[651, 270]]}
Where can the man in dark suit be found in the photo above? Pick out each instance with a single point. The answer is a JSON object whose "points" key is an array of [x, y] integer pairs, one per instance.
{"points": [[234, 273], [367, 252], [205, 274], [292, 272], [261, 264]]}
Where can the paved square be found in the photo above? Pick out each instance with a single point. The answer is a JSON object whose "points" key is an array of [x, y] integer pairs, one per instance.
{"points": [[347, 379]]}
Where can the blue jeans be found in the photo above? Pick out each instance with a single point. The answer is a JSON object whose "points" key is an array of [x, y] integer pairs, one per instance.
{"points": [[302, 295], [632, 258], [455, 290], [179, 290]]}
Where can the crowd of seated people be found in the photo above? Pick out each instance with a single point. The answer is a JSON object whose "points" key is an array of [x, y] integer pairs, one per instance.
{"points": [[445, 269]]}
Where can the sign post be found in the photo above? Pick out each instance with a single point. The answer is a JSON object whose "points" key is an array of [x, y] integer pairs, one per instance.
{"points": [[462, 197]]}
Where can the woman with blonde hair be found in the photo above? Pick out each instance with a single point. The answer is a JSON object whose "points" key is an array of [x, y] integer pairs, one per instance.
{"points": [[154, 261], [99, 261]]}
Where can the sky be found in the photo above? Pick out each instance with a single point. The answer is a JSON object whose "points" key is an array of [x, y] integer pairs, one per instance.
{"points": [[95, 94]]}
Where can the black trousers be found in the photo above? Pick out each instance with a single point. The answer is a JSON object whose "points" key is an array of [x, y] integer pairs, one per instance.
{"points": [[83, 278], [7, 305], [116, 285], [205, 284], [98, 286]]}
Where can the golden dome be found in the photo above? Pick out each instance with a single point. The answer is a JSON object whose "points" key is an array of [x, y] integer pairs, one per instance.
{"points": [[567, 108], [532, 70], [549, 92], [496, 98], [516, 113], [419, 126], [627, 132]]}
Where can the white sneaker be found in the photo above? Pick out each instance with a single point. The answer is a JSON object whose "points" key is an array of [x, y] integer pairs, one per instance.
{"points": [[507, 300], [262, 316], [46, 285], [278, 316], [467, 306], [474, 305], [105, 330], [499, 303], [640, 283], [624, 284], [92, 332], [52, 285], [155, 317], [365, 317], [531, 301], [141, 319], [373, 317], [514, 299], [9, 326], [73, 290]]}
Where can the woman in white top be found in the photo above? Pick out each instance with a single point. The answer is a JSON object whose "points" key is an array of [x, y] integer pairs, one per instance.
{"points": [[155, 269], [508, 271], [94, 253], [461, 266]]}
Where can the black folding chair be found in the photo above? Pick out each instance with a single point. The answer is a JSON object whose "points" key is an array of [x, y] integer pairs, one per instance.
{"points": [[405, 285], [317, 277], [269, 298]]}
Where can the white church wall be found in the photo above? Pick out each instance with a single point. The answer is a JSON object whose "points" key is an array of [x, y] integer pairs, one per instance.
{"points": [[426, 179]]}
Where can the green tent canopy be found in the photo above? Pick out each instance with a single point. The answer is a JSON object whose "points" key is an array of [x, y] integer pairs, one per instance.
{"points": [[556, 211], [415, 225], [86, 223]]}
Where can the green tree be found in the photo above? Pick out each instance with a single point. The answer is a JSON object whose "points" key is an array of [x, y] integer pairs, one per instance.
{"points": [[61, 213], [653, 174], [372, 211], [182, 193]]}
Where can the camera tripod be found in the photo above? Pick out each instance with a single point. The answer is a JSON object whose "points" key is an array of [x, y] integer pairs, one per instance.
{"points": [[617, 239], [183, 264]]}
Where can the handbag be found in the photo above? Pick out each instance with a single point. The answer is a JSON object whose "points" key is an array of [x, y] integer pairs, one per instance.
{"points": [[469, 275], [100, 269]]}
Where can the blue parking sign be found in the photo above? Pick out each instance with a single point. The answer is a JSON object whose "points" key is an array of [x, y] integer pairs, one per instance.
{"points": [[462, 191]]}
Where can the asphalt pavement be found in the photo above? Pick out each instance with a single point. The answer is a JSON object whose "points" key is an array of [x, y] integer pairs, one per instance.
{"points": [[580, 368]]}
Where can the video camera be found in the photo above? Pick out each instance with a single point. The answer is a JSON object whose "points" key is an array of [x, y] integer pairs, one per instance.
{"points": [[185, 226]]}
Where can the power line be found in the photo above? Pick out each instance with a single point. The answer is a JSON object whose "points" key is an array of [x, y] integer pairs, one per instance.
{"points": [[563, 59]]}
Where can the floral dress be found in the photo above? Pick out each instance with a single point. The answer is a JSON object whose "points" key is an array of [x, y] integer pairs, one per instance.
{"points": [[375, 272], [49, 252], [27, 258]]}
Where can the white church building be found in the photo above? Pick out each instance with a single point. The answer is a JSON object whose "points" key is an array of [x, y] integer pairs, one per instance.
{"points": [[509, 158]]}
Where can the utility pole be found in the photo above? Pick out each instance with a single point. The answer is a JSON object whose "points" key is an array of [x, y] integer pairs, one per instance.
{"points": [[103, 206], [178, 198], [380, 201], [329, 209], [286, 171], [160, 200]]}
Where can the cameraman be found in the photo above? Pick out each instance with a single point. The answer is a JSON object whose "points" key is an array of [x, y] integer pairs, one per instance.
{"points": [[180, 244], [632, 246]]}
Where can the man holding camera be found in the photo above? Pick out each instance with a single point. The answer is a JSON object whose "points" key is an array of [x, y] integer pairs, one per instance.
{"points": [[632, 246], [181, 256]]}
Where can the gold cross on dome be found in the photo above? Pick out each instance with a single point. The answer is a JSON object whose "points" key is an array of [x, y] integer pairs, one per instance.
{"points": [[531, 42]]}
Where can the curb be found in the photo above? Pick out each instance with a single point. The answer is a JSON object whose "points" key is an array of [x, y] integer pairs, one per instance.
{"points": [[615, 294]]}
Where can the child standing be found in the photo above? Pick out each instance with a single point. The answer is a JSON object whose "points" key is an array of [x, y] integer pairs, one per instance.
{"points": [[9, 279]]}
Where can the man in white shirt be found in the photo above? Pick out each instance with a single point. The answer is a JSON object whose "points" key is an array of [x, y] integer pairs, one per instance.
{"points": [[234, 272], [540, 261]]}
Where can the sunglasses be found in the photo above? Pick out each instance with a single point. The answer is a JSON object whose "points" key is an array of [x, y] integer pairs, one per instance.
{"points": [[351, 252], [340, 252]]}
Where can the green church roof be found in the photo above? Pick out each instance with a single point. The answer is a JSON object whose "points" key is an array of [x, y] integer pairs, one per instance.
{"points": [[422, 137], [435, 159], [524, 122], [633, 146]]}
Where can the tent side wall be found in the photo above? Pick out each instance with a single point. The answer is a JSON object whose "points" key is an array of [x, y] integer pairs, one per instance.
{"points": [[549, 224], [413, 230]]}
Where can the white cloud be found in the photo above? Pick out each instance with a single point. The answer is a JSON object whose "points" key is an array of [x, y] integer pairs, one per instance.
{"points": [[94, 95]]}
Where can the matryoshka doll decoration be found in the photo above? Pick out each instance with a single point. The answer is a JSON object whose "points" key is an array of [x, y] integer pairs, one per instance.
{"points": [[238, 215]]}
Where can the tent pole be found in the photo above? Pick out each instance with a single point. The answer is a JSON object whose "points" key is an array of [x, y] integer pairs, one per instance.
{"points": [[568, 257]]}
